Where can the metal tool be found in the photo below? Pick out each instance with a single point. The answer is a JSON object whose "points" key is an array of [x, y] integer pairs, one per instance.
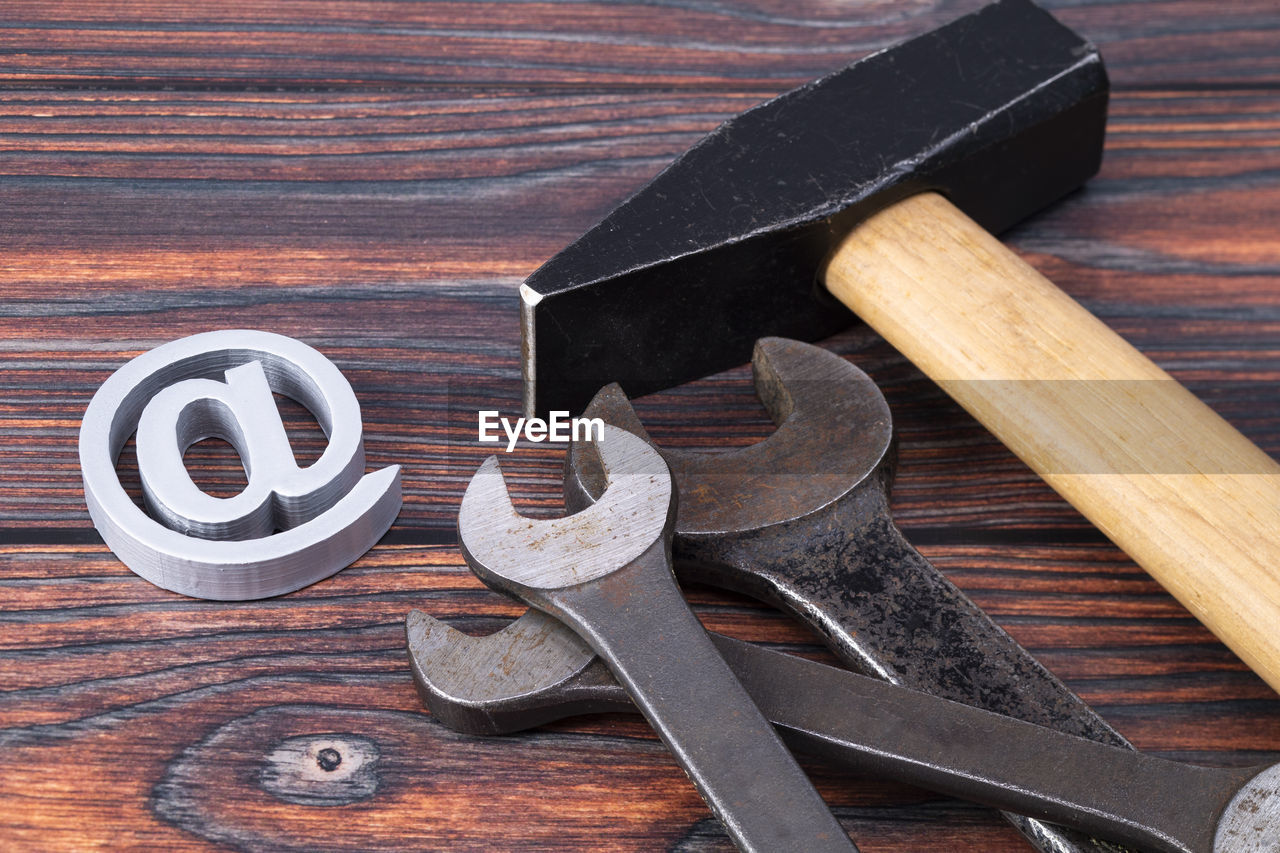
{"points": [[1002, 112], [328, 513], [802, 520], [872, 187], [511, 680], [606, 572]]}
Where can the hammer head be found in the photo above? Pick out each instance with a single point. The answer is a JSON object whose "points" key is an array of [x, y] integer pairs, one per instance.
{"points": [[1002, 111]]}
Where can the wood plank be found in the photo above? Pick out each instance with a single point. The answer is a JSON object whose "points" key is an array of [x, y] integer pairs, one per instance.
{"points": [[383, 253], [194, 691], [376, 178], [210, 184], [677, 44], [951, 472]]}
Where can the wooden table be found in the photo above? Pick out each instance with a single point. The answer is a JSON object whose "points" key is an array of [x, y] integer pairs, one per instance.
{"points": [[376, 178]]}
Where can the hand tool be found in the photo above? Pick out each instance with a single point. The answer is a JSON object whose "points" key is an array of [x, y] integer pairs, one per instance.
{"points": [[507, 681], [328, 513], [859, 180], [802, 520], [606, 572]]}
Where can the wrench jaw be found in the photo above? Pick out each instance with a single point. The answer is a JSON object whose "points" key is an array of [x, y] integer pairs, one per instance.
{"points": [[834, 435], [534, 671], [636, 511], [606, 573], [584, 478], [835, 429], [789, 375], [1251, 821]]}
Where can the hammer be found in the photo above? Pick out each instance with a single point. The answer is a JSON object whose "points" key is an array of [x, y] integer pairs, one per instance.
{"points": [[875, 188]]}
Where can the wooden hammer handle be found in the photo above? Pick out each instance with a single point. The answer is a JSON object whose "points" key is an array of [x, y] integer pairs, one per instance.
{"points": [[1193, 501]]}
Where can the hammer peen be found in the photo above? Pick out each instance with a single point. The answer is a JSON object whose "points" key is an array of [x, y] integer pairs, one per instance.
{"points": [[882, 181]]}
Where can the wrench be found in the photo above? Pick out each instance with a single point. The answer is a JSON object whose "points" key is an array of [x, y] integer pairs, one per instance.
{"points": [[801, 520], [606, 573], [512, 680]]}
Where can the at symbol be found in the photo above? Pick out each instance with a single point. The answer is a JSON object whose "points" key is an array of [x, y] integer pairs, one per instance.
{"points": [[220, 384]]}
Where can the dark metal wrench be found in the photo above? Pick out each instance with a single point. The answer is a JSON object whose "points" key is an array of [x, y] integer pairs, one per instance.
{"points": [[606, 573], [802, 520], [534, 671]]}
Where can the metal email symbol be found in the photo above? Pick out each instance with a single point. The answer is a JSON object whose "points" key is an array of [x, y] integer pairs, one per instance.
{"points": [[290, 526]]}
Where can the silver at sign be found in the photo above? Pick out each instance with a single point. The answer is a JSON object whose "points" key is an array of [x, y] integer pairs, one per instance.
{"points": [[220, 385]]}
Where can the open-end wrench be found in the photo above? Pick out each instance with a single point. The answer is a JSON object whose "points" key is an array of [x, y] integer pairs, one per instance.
{"points": [[606, 572], [802, 520], [533, 671]]}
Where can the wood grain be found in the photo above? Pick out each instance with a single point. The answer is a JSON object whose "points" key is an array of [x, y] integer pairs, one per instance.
{"points": [[671, 44], [386, 250], [376, 179]]}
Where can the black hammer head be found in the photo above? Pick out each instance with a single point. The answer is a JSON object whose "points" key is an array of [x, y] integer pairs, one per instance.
{"points": [[1002, 111]]}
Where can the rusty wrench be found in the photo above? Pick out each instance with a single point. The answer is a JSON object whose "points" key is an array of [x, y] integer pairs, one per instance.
{"points": [[534, 671], [802, 520], [606, 573]]}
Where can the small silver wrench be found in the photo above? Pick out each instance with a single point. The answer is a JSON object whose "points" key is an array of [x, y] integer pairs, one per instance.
{"points": [[606, 573]]}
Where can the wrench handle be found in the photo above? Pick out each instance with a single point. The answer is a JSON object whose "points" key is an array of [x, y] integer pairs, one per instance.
{"points": [[638, 622], [983, 757], [885, 611]]}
